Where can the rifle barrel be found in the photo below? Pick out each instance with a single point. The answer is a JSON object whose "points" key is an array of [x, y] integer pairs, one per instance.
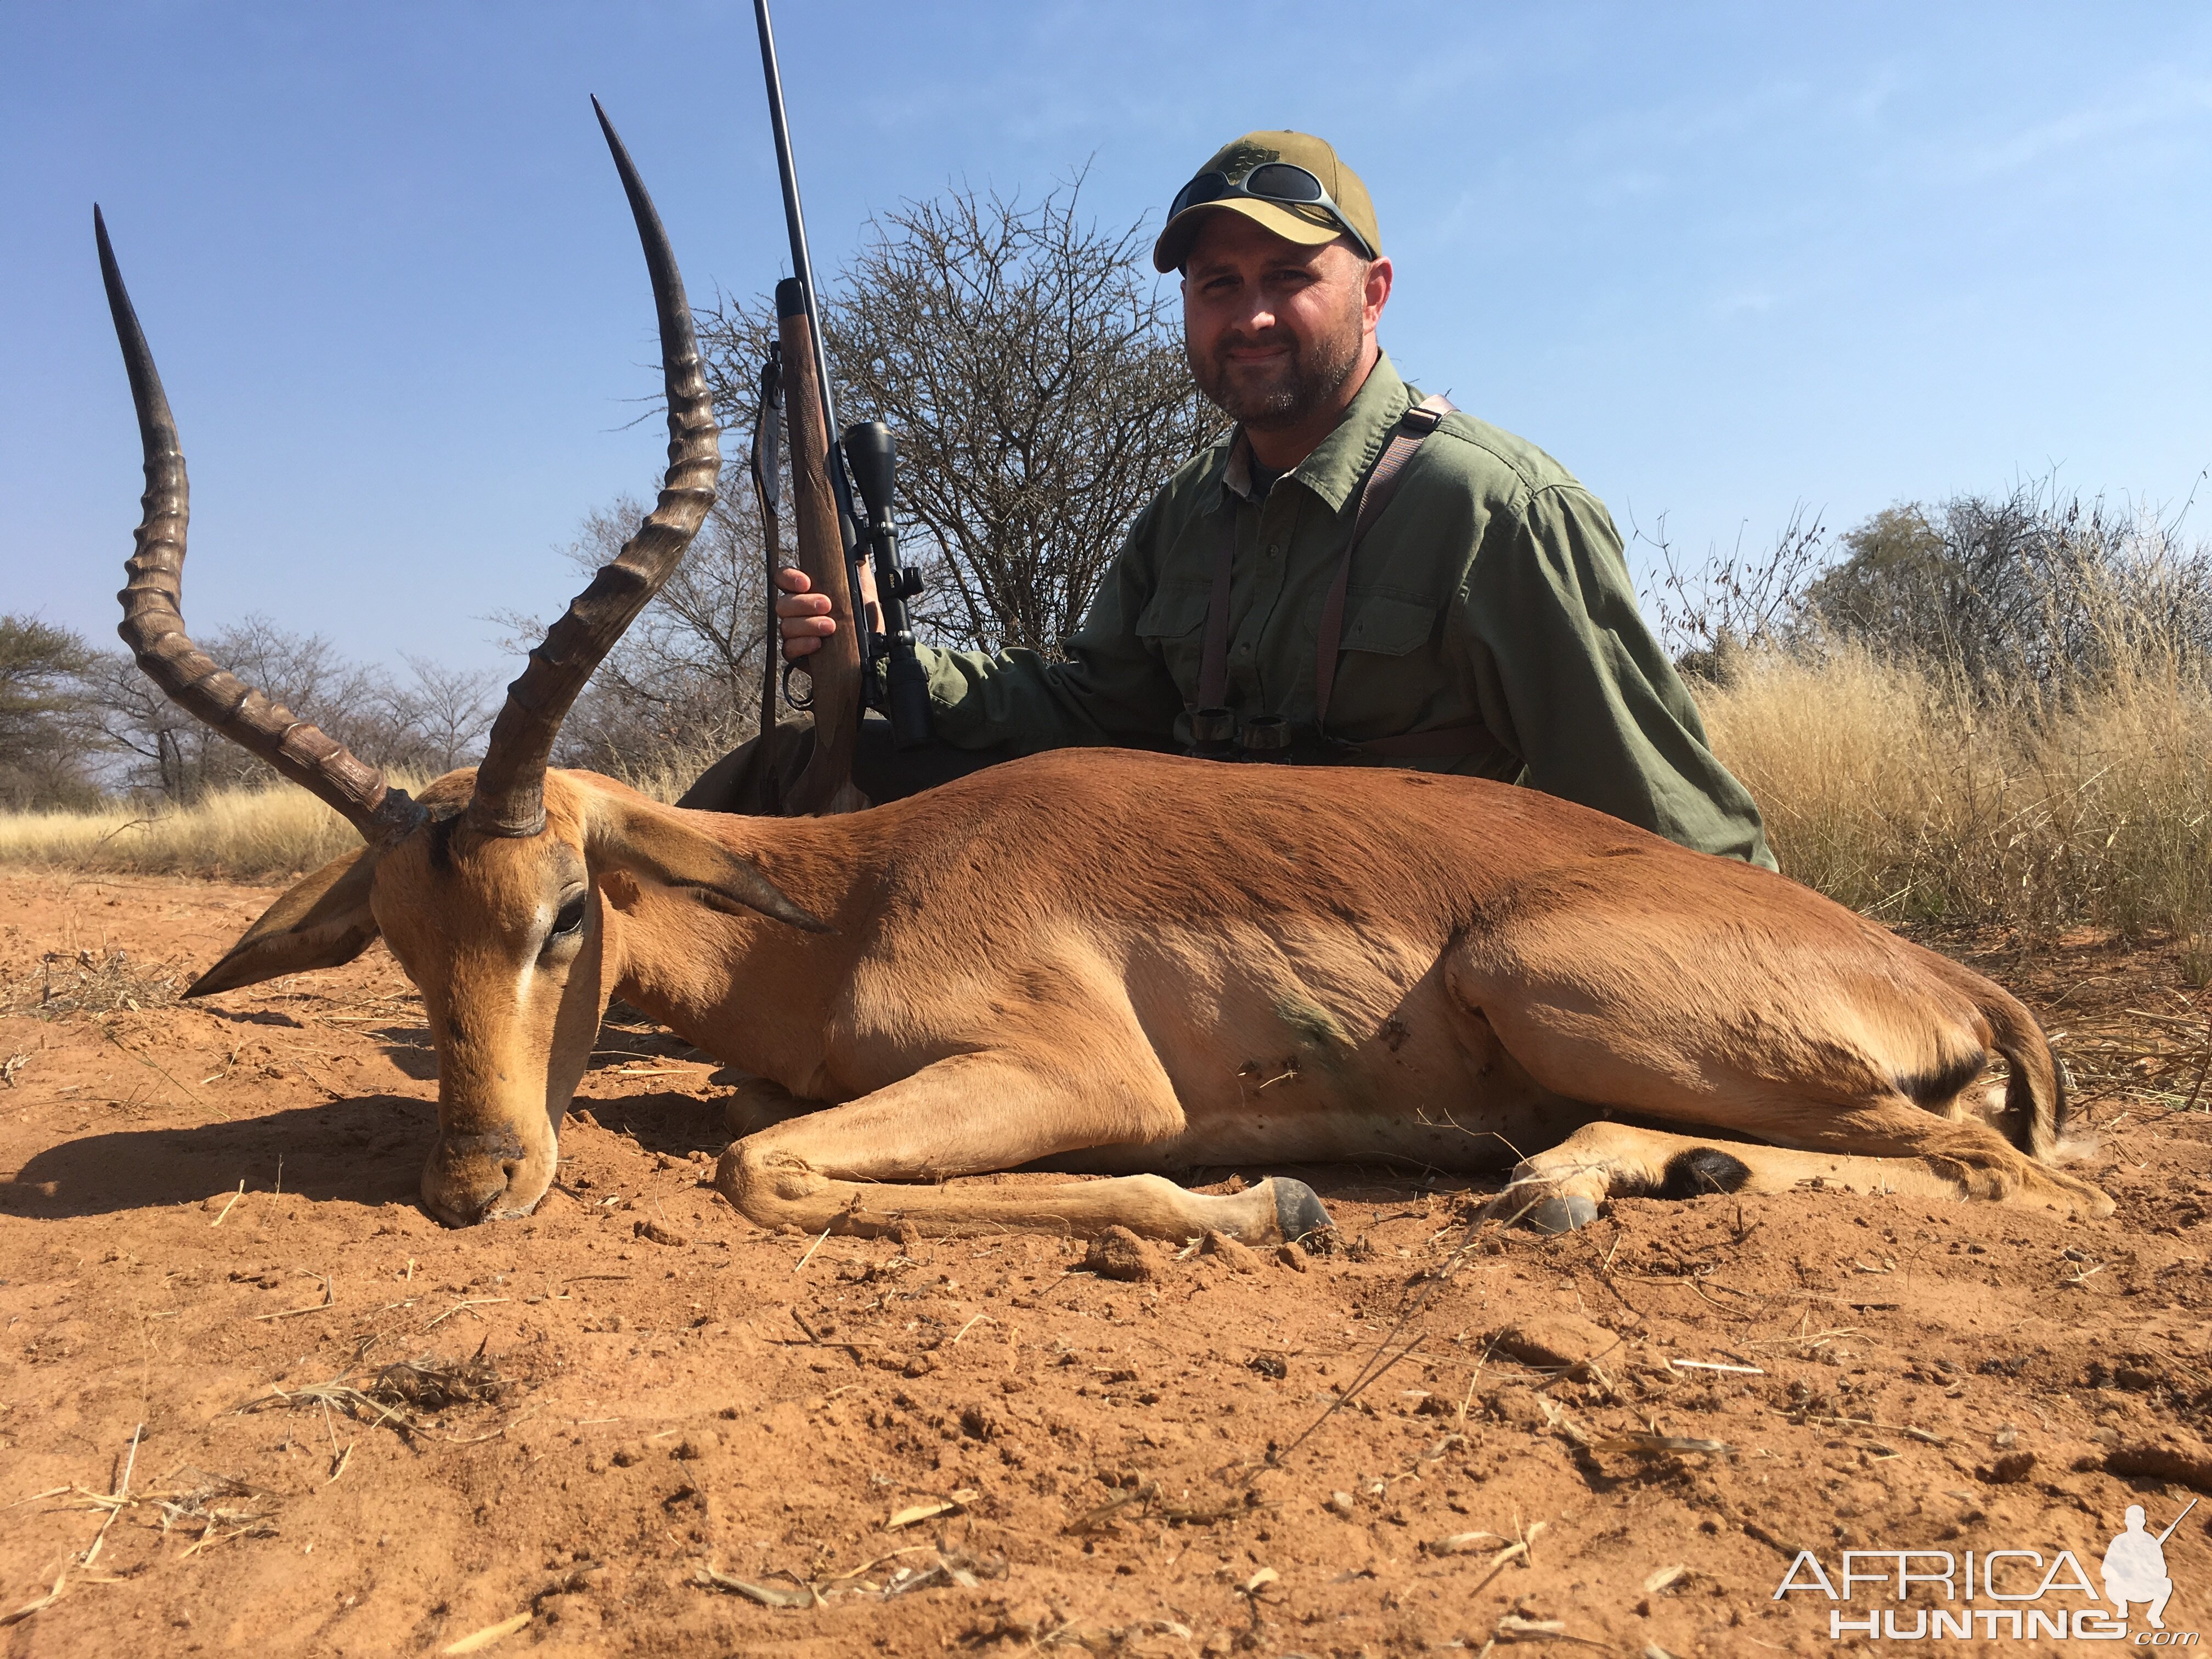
{"points": [[802, 267], [2178, 1520]]}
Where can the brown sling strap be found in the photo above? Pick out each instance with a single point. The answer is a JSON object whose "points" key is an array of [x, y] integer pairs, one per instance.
{"points": [[1382, 484], [1375, 495], [1213, 664]]}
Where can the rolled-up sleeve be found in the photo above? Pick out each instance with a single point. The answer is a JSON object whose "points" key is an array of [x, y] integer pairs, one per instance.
{"points": [[1568, 675]]}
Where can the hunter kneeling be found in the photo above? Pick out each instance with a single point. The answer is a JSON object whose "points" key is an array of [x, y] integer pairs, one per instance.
{"points": [[1360, 573]]}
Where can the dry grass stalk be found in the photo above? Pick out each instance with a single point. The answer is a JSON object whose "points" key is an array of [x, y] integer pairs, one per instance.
{"points": [[953, 1567], [477, 1641], [930, 1511], [120, 1498], [90, 982], [401, 1395], [61, 1582], [220, 1522]]}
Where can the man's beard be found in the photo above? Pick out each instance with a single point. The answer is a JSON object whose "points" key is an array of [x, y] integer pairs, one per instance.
{"points": [[1285, 393]]}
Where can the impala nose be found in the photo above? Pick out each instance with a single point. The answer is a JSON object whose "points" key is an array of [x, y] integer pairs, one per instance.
{"points": [[482, 1176]]}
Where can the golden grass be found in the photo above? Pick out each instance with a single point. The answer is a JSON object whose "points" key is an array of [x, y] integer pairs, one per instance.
{"points": [[1890, 788], [246, 834], [667, 771], [243, 833]]}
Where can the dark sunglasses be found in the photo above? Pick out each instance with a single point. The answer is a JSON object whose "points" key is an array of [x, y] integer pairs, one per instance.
{"points": [[1279, 182]]}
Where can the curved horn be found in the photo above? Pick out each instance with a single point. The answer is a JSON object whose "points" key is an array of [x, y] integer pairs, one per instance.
{"points": [[154, 628], [510, 795]]}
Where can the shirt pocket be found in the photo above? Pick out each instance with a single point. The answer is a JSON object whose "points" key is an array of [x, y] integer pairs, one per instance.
{"points": [[1391, 675], [1173, 627], [1387, 623]]}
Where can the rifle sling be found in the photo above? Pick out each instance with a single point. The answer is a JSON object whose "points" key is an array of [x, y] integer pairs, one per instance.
{"points": [[1444, 742]]}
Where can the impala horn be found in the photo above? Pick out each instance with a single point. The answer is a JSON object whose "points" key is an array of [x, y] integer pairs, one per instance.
{"points": [[510, 793], [154, 628]]}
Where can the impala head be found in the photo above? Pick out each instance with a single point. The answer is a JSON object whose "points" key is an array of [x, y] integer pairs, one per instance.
{"points": [[486, 889]]}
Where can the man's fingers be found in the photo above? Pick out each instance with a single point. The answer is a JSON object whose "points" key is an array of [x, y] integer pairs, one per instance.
{"points": [[802, 615], [803, 635]]}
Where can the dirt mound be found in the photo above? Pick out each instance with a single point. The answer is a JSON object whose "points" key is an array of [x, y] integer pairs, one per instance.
{"points": [[252, 1399]]}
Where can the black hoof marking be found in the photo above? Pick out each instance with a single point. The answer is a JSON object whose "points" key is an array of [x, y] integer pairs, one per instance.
{"points": [[1703, 1169], [1559, 1215], [1298, 1210]]}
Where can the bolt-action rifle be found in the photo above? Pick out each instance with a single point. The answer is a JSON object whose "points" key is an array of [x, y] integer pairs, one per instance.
{"points": [[856, 565]]}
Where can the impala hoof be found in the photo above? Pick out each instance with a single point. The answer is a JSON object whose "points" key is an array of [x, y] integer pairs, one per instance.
{"points": [[1298, 1210], [1559, 1215]]}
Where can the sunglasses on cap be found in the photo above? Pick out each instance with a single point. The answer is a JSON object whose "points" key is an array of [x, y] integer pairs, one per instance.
{"points": [[1281, 183]]}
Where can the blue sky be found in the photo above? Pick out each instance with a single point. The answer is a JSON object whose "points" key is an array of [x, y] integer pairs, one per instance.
{"points": [[1717, 259]]}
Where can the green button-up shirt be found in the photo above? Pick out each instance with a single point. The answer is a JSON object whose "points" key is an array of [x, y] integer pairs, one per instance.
{"points": [[1493, 590]]}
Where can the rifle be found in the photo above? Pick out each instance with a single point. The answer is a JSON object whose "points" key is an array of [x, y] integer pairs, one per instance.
{"points": [[2178, 1520], [844, 670]]}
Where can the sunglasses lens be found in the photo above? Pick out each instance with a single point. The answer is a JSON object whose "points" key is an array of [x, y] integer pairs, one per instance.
{"points": [[1206, 187], [1278, 181]]}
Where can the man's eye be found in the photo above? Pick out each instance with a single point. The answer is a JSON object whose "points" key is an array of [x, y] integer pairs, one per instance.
{"points": [[571, 919]]}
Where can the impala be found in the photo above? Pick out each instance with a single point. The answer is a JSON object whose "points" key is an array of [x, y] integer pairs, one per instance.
{"points": [[1124, 964]]}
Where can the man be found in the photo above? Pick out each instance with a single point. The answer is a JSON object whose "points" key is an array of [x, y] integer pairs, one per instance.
{"points": [[1485, 624]]}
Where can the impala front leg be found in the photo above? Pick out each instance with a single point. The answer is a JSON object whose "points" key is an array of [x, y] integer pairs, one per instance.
{"points": [[975, 1114]]}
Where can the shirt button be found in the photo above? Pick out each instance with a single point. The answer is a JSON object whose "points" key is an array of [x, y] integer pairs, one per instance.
{"points": [[1274, 549]]}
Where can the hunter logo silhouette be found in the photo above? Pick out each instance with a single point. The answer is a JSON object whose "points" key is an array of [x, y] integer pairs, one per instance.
{"points": [[2134, 1567]]}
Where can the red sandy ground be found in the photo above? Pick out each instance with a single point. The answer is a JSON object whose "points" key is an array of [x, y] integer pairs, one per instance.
{"points": [[1958, 1377]]}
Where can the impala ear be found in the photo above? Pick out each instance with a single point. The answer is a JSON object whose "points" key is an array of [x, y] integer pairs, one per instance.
{"points": [[654, 843], [324, 922]]}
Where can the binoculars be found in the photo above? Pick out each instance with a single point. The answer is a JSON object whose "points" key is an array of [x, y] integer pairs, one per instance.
{"points": [[1214, 736]]}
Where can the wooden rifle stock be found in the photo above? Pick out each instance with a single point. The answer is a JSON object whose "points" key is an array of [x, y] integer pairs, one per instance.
{"points": [[826, 786]]}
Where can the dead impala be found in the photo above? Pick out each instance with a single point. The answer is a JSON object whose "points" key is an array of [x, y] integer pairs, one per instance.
{"points": [[1108, 962]]}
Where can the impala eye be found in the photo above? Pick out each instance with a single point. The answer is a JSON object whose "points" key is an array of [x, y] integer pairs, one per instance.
{"points": [[571, 920]]}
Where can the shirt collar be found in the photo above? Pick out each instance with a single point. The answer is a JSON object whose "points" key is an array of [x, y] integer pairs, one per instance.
{"points": [[1341, 459]]}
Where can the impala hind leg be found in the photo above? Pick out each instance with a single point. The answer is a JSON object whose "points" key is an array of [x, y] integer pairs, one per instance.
{"points": [[840, 1169], [1558, 1190], [1839, 1047]]}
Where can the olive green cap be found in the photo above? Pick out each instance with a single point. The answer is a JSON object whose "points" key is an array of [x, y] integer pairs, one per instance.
{"points": [[1310, 227]]}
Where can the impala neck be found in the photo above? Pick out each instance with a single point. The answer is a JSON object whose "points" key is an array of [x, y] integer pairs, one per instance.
{"points": [[756, 993]]}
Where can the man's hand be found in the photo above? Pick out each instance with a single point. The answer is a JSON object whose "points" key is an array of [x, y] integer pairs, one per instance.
{"points": [[803, 616]]}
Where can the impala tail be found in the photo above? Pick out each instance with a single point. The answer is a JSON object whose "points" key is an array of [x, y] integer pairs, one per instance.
{"points": [[2035, 1093]]}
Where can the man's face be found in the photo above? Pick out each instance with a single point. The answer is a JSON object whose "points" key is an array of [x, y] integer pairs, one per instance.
{"points": [[1274, 330]]}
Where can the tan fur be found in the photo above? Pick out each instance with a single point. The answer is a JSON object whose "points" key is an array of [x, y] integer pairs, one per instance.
{"points": [[1123, 962]]}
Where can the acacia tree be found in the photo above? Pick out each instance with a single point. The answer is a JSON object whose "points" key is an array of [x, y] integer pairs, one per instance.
{"points": [[434, 720], [47, 728], [1033, 374], [684, 679]]}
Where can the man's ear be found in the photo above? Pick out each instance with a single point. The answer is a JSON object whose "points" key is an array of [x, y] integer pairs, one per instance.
{"points": [[652, 841], [324, 922]]}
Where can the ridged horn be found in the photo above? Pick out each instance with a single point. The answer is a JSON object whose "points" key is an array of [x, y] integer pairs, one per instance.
{"points": [[154, 627], [510, 793]]}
